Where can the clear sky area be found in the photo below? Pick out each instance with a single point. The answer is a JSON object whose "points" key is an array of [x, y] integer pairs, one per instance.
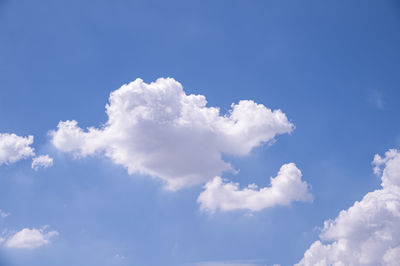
{"points": [[199, 133]]}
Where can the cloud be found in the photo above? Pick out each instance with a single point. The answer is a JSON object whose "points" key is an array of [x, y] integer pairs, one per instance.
{"points": [[14, 148], [285, 188], [229, 263], [157, 130], [368, 233], [3, 214], [376, 98], [119, 256], [42, 161], [30, 238]]}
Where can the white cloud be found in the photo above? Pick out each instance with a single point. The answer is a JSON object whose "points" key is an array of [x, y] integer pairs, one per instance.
{"points": [[158, 130], [30, 238], [119, 256], [368, 233], [3, 214], [14, 148], [285, 188], [42, 161]]}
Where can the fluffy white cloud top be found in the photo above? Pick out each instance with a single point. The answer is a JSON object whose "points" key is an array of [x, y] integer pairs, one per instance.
{"points": [[368, 233], [42, 161], [30, 238], [14, 148], [158, 130], [285, 188]]}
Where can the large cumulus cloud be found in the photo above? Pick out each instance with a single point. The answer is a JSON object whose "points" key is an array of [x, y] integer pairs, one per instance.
{"points": [[368, 233], [158, 130]]}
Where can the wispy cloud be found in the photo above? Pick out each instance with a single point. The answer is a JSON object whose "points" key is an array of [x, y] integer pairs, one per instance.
{"points": [[3, 214], [376, 98]]}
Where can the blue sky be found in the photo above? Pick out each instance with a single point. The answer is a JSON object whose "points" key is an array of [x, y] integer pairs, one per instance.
{"points": [[330, 66]]}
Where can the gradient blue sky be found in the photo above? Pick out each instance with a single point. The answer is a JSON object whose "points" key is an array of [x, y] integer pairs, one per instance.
{"points": [[331, 66]]}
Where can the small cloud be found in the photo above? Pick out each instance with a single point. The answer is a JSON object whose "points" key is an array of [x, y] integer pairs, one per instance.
{"points": [[14, 148], [376, 98], [119, 256], [30, 238], [42, 161], [3, 214], [285, 188]]}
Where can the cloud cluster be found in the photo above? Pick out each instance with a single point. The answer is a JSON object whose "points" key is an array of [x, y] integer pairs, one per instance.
{"points": [[285, 188], [14, 148], [42, 161], [158, 130], [30, 238], [368, 233]]}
